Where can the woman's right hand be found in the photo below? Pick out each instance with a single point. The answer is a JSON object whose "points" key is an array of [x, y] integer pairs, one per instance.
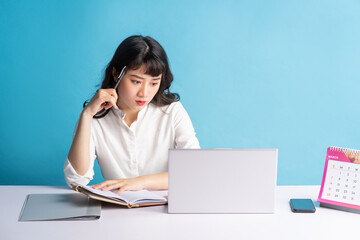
{"points": [[104, 98]]}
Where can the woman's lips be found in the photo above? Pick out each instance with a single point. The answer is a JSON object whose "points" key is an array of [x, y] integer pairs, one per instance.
{"points": [[140, 103]]}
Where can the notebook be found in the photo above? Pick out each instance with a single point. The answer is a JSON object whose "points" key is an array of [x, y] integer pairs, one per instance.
{"points": [[130, 199], [222, 180], [73, 206], [340, 187]]}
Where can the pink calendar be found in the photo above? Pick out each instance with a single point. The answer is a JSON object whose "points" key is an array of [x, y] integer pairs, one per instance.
{"points": [[340, 187]]}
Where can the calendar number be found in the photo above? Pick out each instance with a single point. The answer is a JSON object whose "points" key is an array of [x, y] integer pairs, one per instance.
{"points": [[342, 182]]}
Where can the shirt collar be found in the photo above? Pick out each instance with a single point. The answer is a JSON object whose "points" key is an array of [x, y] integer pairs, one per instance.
{"points": [[140, 114], [119, 112]]}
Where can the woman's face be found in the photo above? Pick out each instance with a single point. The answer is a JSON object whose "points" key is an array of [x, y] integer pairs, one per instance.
{"points": [[136, 89]]}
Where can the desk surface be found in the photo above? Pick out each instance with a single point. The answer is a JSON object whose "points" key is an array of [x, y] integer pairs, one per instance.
{"points": [[156, 223]]}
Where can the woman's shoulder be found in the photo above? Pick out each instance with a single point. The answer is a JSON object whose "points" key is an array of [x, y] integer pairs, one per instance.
{"points": [[110, 117]]}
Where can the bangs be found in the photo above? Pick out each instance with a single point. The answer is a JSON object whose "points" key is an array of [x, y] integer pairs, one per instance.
{"points": [[154, 66]]}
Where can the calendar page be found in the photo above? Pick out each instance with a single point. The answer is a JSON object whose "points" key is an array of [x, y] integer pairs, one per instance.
{"points": [[341, 180]]}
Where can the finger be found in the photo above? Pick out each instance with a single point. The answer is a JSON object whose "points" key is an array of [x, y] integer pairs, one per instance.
{"points": [[110, 92], [103, 184], [107, 106], [97, 186], [121, 190], [107, 94], [109, 102], [113, 186], [113, 103], [113, 93]]}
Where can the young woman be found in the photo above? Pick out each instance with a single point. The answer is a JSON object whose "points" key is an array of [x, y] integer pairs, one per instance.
{"points": [[143, 119]]}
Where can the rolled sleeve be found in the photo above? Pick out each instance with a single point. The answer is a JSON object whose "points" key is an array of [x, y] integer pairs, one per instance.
{"points": [[71, 176]]}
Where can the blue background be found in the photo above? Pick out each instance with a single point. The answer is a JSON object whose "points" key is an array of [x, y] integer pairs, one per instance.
{"points": [[251, 74]]}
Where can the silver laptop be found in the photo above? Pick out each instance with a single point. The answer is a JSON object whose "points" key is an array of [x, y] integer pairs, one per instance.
{"points": [[222, 180]]}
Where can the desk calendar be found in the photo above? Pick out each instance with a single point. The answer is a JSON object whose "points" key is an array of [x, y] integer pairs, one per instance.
{"points": [[340, 187]]}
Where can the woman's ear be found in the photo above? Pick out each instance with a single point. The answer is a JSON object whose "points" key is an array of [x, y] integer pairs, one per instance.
{"points": [[114, 73]]}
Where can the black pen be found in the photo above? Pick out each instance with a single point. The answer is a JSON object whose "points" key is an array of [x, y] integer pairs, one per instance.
{"points": [[121, 75]]}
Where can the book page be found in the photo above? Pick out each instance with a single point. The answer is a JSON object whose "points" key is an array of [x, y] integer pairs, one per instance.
{"points": [[109, 194], [132, 197], [143, 196]]}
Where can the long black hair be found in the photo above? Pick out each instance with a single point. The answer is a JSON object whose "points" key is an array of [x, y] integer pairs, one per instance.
{"points": [[134, 52]]}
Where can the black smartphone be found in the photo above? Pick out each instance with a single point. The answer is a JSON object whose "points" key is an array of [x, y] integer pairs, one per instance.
{"points": [[302, 205]]}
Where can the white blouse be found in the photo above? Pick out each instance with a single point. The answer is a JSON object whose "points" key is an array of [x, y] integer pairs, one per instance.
{"points": [[141, 149]]}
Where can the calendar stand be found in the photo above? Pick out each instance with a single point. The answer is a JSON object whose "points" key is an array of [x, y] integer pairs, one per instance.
{"points": [[339, 208], [340, 187]]}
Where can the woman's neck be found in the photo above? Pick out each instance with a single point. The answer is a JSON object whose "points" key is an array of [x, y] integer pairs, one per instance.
{"points": [[130, 117]]}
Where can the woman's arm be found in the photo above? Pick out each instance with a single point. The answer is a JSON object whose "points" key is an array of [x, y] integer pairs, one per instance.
{"points": [[185, 136], [154, 181], [79, 154]]}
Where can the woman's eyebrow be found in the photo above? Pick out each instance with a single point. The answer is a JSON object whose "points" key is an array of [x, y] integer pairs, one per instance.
{"points": [[136, 76]]}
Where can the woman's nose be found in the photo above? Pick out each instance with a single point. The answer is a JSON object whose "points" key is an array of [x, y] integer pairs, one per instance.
{"points": [[143, 91]]}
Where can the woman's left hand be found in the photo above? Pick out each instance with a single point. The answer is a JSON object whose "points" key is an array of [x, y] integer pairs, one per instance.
{"points": [[131, 184]]}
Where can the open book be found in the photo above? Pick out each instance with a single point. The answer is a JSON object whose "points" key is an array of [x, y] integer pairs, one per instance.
{"points": [[130, 199]]}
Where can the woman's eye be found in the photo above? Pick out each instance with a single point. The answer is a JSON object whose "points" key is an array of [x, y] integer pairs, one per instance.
{"points": [[154, 84], [135, 82]]}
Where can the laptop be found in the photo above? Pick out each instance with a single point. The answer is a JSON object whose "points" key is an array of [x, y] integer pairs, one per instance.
{"points": [[222, 180]]}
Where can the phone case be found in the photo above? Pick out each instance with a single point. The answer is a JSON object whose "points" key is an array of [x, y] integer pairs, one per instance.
{"points": [[302, 206]]}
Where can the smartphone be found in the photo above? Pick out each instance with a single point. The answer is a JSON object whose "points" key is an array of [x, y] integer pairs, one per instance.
{"points": [[302, 206]]}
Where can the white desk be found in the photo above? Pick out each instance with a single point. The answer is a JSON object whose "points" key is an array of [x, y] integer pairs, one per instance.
{"points": [[156, 223]]}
